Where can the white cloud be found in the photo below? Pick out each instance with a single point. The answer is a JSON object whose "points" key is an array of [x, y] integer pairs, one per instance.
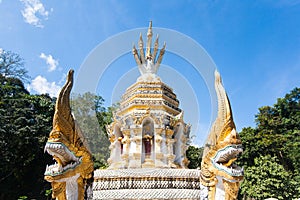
{"points": [[41, 86], [33, 12], [51, 62]]}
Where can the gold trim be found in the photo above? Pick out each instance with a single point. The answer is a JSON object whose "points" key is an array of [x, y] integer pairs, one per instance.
{"points": [[150, 97], [144, 107], [169, 132], [147, 83]]}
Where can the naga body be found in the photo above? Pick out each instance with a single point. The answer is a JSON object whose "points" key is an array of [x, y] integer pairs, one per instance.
{"points": [[220, 152], [71, 175]]}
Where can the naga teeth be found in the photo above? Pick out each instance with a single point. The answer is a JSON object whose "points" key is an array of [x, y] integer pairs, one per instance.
{"points": [[57, 168], [53, 146]]}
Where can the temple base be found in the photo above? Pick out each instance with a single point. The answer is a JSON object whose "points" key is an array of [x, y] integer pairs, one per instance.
{"points": [[146, 183]]}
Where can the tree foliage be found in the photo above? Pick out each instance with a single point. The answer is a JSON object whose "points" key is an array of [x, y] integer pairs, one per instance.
{"points": [[12, 65], [194, 155], [273, 146], [267, 178], [25, 122], [92, 117]]}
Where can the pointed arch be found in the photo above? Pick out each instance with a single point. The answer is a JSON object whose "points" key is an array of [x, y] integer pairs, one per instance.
{"points": [[148, 135]]}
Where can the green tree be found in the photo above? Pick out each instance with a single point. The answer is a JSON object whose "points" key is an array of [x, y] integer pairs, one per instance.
{"points": [[25, 122], [12, 65], [266, 179], [276, 137], [194, 155], [92, 117]]}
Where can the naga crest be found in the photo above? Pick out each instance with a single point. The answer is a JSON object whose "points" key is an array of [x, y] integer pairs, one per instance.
{"points": [[73, 169], [221, 150]]}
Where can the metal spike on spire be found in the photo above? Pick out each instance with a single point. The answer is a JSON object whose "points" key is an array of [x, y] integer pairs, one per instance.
{"points": [[149, 42], [141, 47], [161, 53], [155, 48], [148, 65], [136, 55]]}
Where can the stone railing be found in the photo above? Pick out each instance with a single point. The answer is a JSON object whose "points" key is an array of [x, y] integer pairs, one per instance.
{"points": [[146, 179]]}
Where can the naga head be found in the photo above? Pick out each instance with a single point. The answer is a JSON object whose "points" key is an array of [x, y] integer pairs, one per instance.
{"points": [[223, 146], [66, 143]]}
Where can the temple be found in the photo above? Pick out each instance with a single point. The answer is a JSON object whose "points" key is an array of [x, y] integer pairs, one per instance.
{"points": [[148, 129], [149, 138]]}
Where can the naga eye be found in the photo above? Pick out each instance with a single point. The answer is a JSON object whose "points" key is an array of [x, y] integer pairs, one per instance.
{"points": [[55, 134]]}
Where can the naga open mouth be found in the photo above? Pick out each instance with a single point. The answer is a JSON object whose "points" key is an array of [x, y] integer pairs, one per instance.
{"points": [[224, 160], [65, 159]]}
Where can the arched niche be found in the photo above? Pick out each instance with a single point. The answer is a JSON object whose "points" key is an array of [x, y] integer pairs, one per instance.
{"points": [[147, 139]]}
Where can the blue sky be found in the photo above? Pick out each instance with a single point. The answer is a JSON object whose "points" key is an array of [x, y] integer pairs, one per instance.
{"points": [[254, 44]]}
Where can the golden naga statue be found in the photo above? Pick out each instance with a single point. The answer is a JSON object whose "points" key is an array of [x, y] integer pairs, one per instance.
{"points": [[71, 175], [221, 150]]}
